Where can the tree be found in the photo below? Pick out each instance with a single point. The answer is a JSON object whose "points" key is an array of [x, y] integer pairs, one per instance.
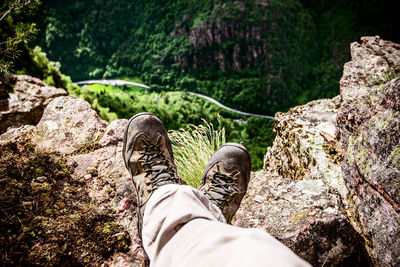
{"points": [[15, 31]]}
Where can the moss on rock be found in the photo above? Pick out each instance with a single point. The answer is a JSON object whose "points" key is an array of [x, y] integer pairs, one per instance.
{"points": [[47, 217]]}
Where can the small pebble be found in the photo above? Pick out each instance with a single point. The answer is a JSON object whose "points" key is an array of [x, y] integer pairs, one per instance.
{"points": [[41, 179], [87, 177], [350, 117], [124, 204]]}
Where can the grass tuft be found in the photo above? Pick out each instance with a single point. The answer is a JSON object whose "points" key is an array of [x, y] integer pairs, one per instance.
{"points": [[193, 146]]}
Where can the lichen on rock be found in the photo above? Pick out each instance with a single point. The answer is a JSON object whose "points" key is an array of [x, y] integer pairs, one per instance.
{"points": [[369, 131], [67, 125], [350, 146], [300, 197], [48, 218], [70, 214]]}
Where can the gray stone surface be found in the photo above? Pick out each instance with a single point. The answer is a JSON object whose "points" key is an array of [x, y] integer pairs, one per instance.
{"points": [[13, 134], [307, 215], [68, 125], [369, 123], [70, 129], [330, 185], [346, 153], [306, 145], [114, 132], [300, 197]]}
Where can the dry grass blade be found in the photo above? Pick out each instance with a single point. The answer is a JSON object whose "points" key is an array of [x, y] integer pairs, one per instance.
{"points": [[193, 147]]}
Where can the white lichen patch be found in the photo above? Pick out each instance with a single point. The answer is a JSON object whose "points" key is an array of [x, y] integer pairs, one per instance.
{"points": [[300, 148], [51, 125], [395, 157]]}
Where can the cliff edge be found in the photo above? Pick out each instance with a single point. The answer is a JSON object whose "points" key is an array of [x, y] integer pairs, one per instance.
{"points": [[329, 188], [330, 184]]}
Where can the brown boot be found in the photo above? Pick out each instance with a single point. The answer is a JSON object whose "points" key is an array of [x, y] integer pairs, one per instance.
{"points": [[225, 178], [147, 154]]}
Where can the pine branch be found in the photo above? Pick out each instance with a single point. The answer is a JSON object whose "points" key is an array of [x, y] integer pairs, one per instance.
{"points": [[21, 36], [16, 5]]}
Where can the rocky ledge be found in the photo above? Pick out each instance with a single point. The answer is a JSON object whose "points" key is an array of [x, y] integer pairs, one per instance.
{"points": [[330, 184], [329, 188], [27, 101]]}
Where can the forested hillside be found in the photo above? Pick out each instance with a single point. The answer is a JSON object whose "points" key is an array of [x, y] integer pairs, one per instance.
{"points": [[257, 56], [245, 54], [261, 56]]}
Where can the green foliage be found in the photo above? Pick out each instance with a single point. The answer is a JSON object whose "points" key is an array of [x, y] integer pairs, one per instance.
{"points": [[193, 147], [153, 43], [15, 30], [250, 56], [50, 73], [255, 57], [176, 110]]}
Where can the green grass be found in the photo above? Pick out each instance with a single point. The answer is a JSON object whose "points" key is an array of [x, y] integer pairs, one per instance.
{"points": [[98, 88], [193, 146], [176, 110]]}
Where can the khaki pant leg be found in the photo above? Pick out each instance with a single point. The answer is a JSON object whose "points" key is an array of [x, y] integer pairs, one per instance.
{"points": [[182, 227]]}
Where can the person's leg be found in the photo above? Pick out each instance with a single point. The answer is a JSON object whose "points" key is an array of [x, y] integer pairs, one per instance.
{"points": [[169, 209], [181, 227]]}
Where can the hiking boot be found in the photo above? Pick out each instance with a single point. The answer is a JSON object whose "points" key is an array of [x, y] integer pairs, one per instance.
{"points": [[225, 178], [147, 154]]}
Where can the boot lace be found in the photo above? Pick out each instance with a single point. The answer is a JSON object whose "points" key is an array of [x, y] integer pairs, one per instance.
{"points": [[156, 165], [222, 188]]}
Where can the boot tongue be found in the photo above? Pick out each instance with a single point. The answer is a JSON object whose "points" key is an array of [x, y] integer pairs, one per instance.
{"points": [[222, 188], [160, 172]]}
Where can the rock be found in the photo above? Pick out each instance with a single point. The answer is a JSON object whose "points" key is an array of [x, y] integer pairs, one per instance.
{"points": [[344, 153], [329, 188], [70, 128], [109, 178], [306, 215], [68, 125], [300, 197], [41, 179], [229, 37], [114, 132], [373, 63], [369, 123], [91, 148], [59, 209], [14, 134], [26, 102], [306, 145], [212, 33]]}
